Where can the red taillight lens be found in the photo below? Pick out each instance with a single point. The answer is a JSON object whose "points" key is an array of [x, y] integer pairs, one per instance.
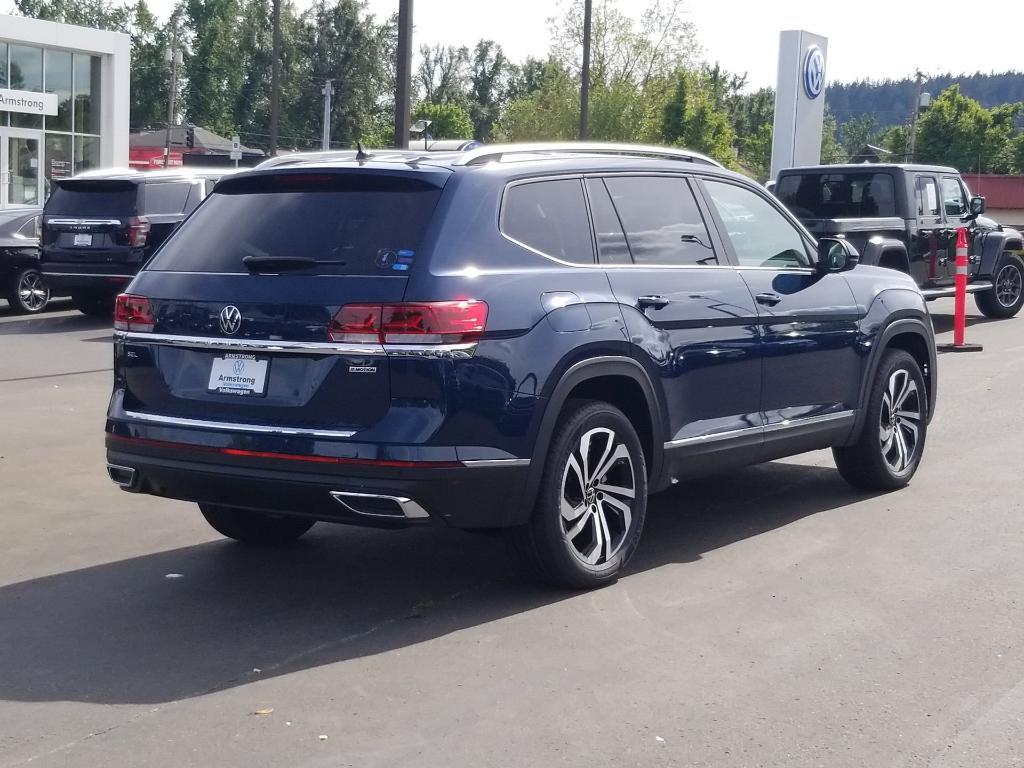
{"points": [[133, 313], [438, 322], [358, 323], [138, 231]]}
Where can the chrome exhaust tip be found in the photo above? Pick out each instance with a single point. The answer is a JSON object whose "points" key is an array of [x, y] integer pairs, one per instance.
{"points": [[379, 505], [123, 477]]}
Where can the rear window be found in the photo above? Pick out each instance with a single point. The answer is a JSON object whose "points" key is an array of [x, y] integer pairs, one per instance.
{"points": [[352, 224], [853, 195], [93, 198], [167, 197]]}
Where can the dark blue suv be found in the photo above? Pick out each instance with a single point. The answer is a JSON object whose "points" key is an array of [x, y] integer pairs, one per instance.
{"points": [[530, 338]]}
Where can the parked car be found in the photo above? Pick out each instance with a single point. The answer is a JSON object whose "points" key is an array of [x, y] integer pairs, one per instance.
{"points": [[20, 281], [905, 217], [100, 227], [529, 338]]}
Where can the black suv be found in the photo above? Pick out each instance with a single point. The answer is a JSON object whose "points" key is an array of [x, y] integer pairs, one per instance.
{"points": [[99, 228], [905, 217], [531, 338]]}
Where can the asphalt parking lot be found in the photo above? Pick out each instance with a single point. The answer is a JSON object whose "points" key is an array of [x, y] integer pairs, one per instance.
{"points": [[771, 617]]}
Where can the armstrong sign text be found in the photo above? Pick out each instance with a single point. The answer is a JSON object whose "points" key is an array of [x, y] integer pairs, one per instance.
{"points": [[30, 102]]}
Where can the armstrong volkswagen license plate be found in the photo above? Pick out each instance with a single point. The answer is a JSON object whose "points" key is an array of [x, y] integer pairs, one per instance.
{"points": [[238, 374]]}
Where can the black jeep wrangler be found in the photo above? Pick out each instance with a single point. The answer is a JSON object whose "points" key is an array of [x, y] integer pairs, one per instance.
{"points": [[906, 217]]}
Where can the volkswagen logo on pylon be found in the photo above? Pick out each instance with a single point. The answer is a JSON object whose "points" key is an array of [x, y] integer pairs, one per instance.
{"points": [[814, 72], [230, 320]]}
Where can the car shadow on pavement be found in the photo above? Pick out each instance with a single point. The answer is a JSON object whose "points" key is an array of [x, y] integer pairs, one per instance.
{"points": [[127, 632], [48, 324]]}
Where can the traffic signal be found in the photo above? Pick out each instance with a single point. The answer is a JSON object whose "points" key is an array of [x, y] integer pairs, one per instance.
{"points": [[190, 136]]}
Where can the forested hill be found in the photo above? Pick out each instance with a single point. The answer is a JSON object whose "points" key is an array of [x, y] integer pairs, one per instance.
{"points": [[889, 101]]}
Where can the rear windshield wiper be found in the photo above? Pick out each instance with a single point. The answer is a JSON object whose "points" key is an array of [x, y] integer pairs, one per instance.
{"points": [[283, 263]]}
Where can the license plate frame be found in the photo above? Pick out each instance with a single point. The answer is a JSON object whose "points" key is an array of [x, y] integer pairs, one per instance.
{"points": [[82, 241], [238, 374]]}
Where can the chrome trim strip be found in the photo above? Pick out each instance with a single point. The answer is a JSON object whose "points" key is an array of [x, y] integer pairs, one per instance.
{"points": [[481, 463], [84, 222], [314, 347], [261, 429], [251, 345], [86, 274], [780, 426], [410, 509]]}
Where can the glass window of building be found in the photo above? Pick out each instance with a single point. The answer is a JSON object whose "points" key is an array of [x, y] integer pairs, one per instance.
{"points": [[26, 74], [87, 153], [58, 81], [58, 158], [3, 78], [87, 93]]}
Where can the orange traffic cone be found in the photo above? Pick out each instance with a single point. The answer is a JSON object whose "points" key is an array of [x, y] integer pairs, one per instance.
{"points": [[960, 299]]}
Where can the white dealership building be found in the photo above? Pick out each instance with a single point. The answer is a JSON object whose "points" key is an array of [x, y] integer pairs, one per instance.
{"points": [[64, 104]]}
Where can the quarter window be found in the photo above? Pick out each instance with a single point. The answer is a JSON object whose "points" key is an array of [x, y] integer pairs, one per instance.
{"points": [[662, 222], [166, 198], [760, 235], [550, 217]]}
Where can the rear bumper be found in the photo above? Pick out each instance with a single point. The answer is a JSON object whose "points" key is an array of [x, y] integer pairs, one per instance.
{"points": [[471, 494], [88, 275]]}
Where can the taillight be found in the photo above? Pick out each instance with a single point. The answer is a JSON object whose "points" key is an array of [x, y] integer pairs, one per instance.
{"points": [[437, 322], [133, 313], [138, 231]]}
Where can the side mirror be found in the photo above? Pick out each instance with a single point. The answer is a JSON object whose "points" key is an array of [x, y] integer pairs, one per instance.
{"points": [[835, 255], [977, 205]]}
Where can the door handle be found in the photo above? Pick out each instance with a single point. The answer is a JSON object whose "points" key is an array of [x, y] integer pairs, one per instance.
{"points": [[768, 299], [656, 302]]}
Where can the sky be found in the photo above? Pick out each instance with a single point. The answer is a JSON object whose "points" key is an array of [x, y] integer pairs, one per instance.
{"points": [[868, 39]]}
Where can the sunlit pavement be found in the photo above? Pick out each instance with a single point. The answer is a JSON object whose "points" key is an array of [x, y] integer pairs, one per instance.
{"points": [[771, 617]]}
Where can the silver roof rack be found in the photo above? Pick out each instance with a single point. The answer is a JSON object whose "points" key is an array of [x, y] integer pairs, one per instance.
{"points": [[498, 152]]}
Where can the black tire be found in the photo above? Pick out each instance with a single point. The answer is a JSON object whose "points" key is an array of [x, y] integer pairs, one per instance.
{"points": [[254, 527], [886, 455], [1007, 295], [94, 305], [28, 293], [542, 545]]}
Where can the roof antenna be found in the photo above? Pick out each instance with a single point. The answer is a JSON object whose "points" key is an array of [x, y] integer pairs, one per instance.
{"points": [[361, 153]]}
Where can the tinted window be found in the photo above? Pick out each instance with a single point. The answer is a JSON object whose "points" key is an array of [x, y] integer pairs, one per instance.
{"points": [[838, 195], [611, 241], [662, 221], [927, 197], [354, 224], [760, 235], [93, 198], [953, 198], [550, 217], [166, 198]]}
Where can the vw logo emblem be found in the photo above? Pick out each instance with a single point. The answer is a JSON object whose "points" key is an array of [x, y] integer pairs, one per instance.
{"points": [[230, 320], [814, 72], [238, 367]]}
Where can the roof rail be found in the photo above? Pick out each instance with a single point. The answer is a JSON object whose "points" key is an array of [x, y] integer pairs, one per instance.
{"points": [[497, 152]]}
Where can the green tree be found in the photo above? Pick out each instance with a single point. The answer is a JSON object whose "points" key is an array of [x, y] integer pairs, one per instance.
{"points": [[831, 152], [213, 76], [958, 131], [441, 76], [448, 121], [490, 75], [691, 118], [549, 112]]}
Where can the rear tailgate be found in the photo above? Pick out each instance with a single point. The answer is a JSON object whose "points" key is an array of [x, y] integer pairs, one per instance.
{"points": [[89, 221], [251, 345]]}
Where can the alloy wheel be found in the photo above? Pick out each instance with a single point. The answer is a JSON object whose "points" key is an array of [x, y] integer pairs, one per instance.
{"points": [[598, 492], [32, 291], [900, 427], [1008, 285]]}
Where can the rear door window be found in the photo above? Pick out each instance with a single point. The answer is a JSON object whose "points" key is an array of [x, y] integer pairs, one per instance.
{"points": [[166, 197], [927, 197], [662, 222], [549, 217], [350, 224], [611, 240], [93, 198]]}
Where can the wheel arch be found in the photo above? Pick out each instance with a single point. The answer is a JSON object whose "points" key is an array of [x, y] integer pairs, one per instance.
{"points": [[887, 252], [618, 380], [912, 335]]}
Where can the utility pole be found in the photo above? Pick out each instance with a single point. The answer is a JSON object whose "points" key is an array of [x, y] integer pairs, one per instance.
{"points": [[585, 73], [915, 108], [174, 58], [275, 76], [328, 91], [403, 84]]}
